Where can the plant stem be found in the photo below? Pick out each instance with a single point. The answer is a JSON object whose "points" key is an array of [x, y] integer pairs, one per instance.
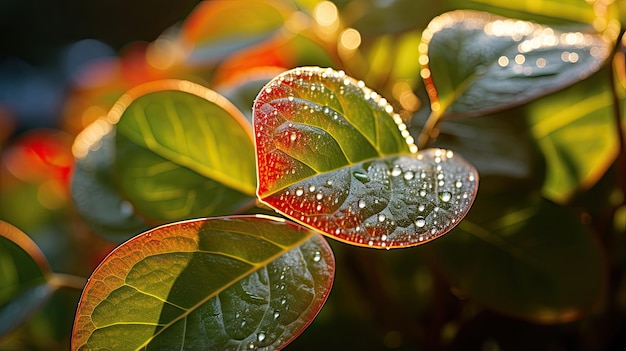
{"points": [[62, 280], [430, 131]]}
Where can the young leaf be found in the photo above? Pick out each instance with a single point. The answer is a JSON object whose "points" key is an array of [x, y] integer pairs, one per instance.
{"points": [[332, 155], [476, 63], [181, 151], [23, 278], [531, 259], [247, 282]]}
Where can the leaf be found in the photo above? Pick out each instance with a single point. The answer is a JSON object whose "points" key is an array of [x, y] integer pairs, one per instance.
{"points": [[526, 257], [93, 190], [247, 282], [181, 151], [478, 63], [23, 278], [567, 126], [216, 29], [333, 156]]}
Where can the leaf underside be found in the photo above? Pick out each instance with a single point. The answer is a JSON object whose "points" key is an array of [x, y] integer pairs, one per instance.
{"points": [[248, 282]]}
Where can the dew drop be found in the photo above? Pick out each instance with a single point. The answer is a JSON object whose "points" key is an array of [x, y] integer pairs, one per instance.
{"points": [[317, 256], [440, 176], [319, 196], [293, 137], [362, 177], [445, 196], [260, 336], [420, 222], [329, 182], [299, 192], [421, 208], [251, 346], [361, 204], [396, 171], [422, 193], [276, 314], [312, 188], [458, 184], [471, 178], [383, 237], [409, 175], [381, 217]]}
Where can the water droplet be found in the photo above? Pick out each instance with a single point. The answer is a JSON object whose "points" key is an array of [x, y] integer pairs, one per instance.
{"points": [[445, 196], [396, 171], [251, 346], [293, 137], [329, 182], [276, 314], [408, 175], [260, 336], [317, 256], [440, 176], [299, 192], [362, 177], [421, 208], [422, 193], [383, 237], [361, 204], [471, 178], [420, 222], [381, 217], [283, 301], [312, 188], [243, 322], [458, 184]]}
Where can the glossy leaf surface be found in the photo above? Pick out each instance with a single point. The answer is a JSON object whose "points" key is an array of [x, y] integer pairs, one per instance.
{"points": [[576, 131], [531, 259], [249, 282], [332, 155], [173, 154], [23, 278], [477, 63]]}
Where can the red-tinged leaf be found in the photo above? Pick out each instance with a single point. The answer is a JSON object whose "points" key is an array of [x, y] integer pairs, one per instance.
{"points": [[230, 283], [478, 63], [332, 155]]}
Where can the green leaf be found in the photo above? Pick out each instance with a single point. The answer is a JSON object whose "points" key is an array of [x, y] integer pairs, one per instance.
{"points": [[94, 192], [217, 29], [526, 257], [333, 156], [182, 151], [577, 133], [23, 278], [248, 282], [478, 63]]}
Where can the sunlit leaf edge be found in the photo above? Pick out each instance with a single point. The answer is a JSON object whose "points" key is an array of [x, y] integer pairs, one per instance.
{"points": [[80, 336]]}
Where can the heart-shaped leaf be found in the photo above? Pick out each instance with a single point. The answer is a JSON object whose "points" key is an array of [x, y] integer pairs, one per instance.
{"points": [[180, 151], [475, 62], [248, 282], [332, 155]]}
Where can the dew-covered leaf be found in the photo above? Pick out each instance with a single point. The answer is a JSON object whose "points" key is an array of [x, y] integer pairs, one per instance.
{"points": [[23, 278], [333, 156], [247, 282], [180, 151], [576, 131], [475, 62], [525, 257]]}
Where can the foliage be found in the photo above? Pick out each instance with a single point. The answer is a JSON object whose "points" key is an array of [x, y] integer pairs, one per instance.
{"points": [[202, 180]]}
